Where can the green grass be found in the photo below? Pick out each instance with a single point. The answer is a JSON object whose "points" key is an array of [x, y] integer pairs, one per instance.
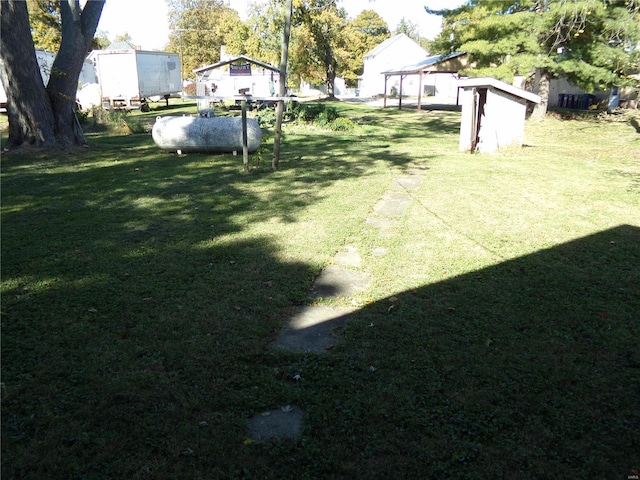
{"points": [[141, 292]]}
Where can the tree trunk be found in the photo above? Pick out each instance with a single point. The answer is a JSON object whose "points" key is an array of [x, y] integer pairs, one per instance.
{"points": [[39, 116], [78, 27], [28, 107], [284, 56], [331, 73], [541, 88]]}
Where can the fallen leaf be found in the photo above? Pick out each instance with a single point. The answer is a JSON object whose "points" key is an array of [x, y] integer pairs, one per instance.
{"points": [[391, 308], [393, 299], [147, 299], [286, 408], [451, 309], [237, 307], [248, 441], [270, 283]]}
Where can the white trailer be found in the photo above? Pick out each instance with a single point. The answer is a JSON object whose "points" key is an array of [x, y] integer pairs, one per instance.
{"points": [[128, 78], [45, 62]]}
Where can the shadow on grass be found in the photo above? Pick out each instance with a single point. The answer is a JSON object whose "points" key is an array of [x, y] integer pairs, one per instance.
{"points": [[528, 366], [136, 331]]}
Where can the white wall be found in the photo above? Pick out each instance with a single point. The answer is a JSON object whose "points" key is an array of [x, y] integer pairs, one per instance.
{"points": [[401, 52], [501, 125]]}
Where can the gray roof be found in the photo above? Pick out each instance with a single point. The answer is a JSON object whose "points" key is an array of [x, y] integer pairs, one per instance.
{"points": [[237, 59], [121, 45], [424, 64], [480, 82]]}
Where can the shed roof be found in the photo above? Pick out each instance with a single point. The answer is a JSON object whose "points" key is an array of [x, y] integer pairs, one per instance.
{"points": [[480, 82], [427, 64], [237, 59]]}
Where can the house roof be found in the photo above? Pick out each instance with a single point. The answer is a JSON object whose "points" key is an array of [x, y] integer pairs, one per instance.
{"points": [[387, 43], [237, 59], [480, 82], [424, 65]]}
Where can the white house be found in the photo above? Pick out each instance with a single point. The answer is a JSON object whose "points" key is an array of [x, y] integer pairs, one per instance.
{"points": [[389, 55]]}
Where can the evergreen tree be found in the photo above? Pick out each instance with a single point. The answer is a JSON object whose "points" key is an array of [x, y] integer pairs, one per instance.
{"points": [[594, 43]]}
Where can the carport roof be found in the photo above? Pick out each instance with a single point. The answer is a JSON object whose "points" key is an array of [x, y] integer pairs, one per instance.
{"points": [[425, 65]]}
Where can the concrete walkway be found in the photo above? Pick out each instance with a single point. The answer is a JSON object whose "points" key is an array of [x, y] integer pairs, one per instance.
{"points": [[315, 328]]}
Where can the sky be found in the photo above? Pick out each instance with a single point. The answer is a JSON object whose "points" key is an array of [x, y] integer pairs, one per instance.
{"points": [[146, 20]]}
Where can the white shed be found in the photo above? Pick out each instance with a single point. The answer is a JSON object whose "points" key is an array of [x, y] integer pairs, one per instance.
{"points": [[493, 114]]}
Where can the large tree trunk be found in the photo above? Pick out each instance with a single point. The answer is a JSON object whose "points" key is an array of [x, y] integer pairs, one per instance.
{"points": [[28, 107], [39, 116], [78, 27], [541, 88]]}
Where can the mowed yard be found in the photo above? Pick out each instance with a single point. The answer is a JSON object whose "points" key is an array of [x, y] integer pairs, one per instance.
{"points": [[142, 292]]}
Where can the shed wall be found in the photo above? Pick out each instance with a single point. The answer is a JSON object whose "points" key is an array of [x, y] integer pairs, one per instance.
{"points": [[501, 121]]}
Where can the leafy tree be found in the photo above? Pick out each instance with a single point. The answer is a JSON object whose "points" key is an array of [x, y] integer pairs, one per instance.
{"points": [[46, 25], [320, 46], [594, 43], [362, 35], [411, 30], [260, 36], [199, 29], [39, 115]]}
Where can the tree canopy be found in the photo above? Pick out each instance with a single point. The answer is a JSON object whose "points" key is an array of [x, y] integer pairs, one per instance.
{"points": [[325, 43], [594, 43], [199, 29]]}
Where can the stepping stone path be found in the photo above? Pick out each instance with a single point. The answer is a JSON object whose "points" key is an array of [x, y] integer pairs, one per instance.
{"points": [[312, 328]]}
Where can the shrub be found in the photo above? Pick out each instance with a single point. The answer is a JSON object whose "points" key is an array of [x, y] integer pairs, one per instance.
{"points": [[342, 124]]}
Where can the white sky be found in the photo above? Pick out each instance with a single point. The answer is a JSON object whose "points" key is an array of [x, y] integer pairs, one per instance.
{"points": [[146, 20]]}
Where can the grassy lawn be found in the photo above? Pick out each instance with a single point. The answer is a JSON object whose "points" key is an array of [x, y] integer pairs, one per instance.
{"points": [[141, 292]]}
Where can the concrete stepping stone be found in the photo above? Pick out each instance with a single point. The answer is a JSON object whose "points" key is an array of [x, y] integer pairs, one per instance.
{"points": [[349, 257], [410, 182], [283, 422], [381, 223], [312, 328], [336, 281], [392, 204]]}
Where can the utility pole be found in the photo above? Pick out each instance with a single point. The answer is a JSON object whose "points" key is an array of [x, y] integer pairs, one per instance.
{"points": [[283, 83]]}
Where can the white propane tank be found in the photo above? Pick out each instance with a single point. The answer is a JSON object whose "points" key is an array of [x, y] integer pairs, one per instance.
{"points": [[205, 134]]}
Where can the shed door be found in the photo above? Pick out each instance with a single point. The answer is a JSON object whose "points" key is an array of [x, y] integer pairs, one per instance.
{"points": [[477, 115]]}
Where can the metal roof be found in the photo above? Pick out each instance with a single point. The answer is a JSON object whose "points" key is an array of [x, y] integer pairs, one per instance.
{"points": [[424, 64], [480, 82], [237, 59]]}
